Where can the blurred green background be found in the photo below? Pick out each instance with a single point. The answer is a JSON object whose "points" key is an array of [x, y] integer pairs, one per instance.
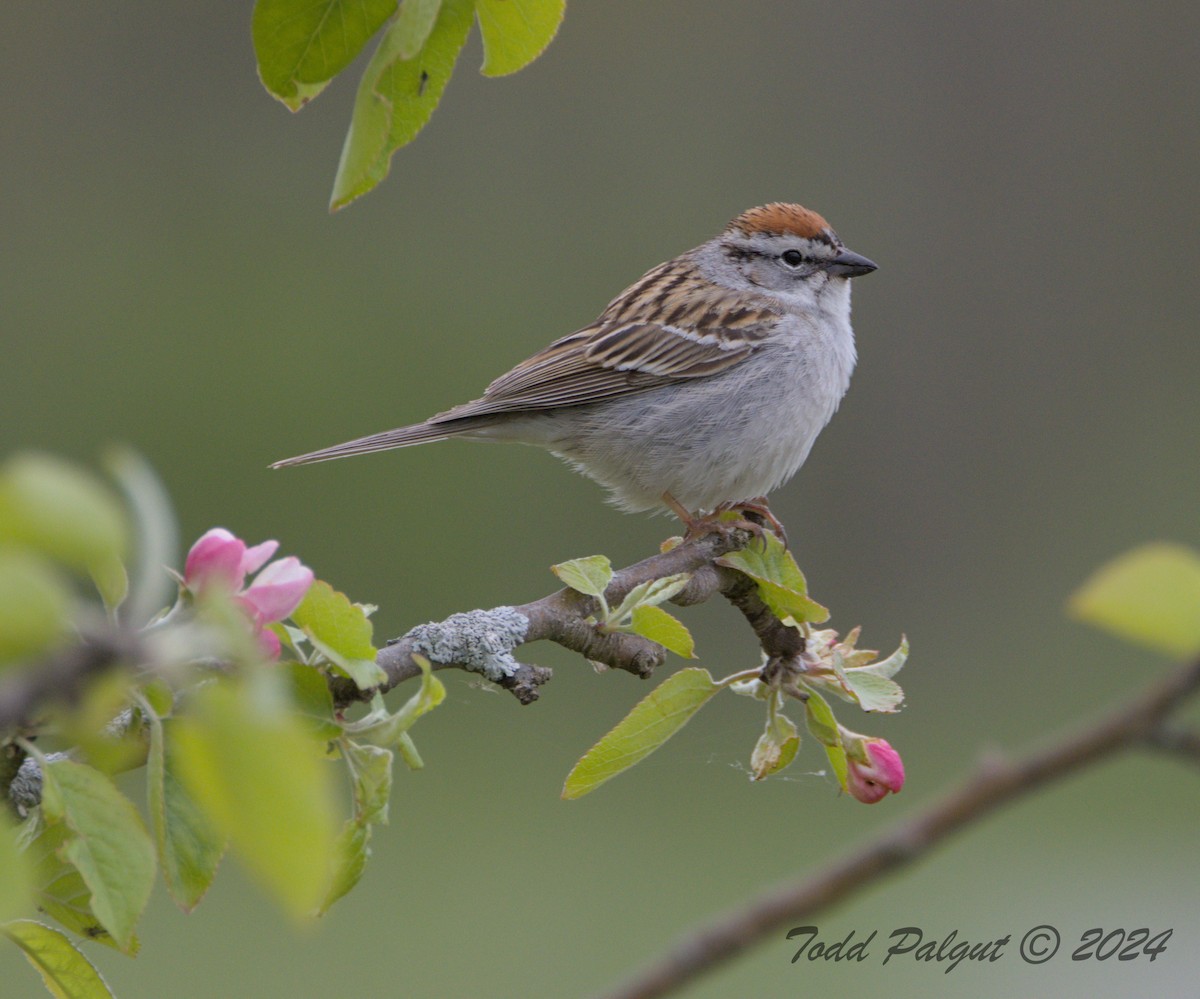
{"points": [[1025, 407]]}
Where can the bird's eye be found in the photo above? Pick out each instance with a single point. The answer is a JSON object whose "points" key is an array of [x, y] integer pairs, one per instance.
{"points": [[793, 258]]}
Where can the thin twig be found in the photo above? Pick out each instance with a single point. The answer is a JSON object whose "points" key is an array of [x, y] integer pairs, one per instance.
{"points": [[1181, 742], [995, 783]]}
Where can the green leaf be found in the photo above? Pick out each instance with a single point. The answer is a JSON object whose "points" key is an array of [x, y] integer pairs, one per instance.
{"points": [[328, 615], [256, 769], [189, 848], [314, 702], [413, 25], [303, 44], [88, 725], [112, 583], [776, 747], [397, 96], [159, 695], [781, 584], [589, 576], [824, 727], [60, 510], [408, 752], [34, 605], [871, 686], [371, 771], [837, 760], [430, 694], [888, 667], [67, 974], [1150, 595], [382, 728], [16, 874], [156, 540], [668, 631], [751, 687], [873, 692], [821, 722], [110, 847], [58, 887], [652, 722], [350, 854], [515, 32], [341, 632], [650, 594]]}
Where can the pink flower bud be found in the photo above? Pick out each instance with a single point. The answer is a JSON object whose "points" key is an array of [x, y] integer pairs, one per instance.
{"points": [[871, 781], [215, 558], [278, 589]]}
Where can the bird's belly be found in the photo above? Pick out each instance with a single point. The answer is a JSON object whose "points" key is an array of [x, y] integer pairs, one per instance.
{"points": [[730, 437]]}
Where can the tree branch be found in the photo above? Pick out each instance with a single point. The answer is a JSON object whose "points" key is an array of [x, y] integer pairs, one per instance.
{"points": [[995, 783], [63, 675], [1182, 742], [483, 641]]}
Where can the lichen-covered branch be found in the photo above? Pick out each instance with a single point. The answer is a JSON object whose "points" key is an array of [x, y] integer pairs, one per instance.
{"points": [[483, 641]]}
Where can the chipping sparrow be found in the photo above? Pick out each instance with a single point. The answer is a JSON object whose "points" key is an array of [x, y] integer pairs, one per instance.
{"points": [[703, 384]]}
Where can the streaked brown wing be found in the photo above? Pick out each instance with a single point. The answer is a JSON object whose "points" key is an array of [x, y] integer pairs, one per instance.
{"points": [[602, 362]]}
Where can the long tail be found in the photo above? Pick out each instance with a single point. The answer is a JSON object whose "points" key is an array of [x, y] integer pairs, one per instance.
{"points": [[418, 433]]}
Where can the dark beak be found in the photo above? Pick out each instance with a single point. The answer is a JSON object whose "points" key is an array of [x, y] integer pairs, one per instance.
{"points": [[848, 264]]}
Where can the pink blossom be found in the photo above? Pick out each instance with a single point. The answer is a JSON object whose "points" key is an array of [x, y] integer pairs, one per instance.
{"points": [[882, 772], [278, 589], [221, 558], [268, 642]]}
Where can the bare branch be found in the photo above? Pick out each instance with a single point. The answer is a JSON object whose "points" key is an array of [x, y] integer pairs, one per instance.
{"points": [[1182, 742], [995, 783]]}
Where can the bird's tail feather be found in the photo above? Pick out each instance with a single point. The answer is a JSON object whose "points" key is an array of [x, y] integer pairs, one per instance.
{"points": [[418, 433]]}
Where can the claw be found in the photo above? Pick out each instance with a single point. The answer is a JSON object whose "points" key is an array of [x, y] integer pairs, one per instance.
{"points": [[758, 507], [698, 526]]}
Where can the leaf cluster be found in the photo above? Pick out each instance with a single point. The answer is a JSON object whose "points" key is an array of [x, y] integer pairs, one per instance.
{"points": [[301, 46], [241, 755], [829, 666]]}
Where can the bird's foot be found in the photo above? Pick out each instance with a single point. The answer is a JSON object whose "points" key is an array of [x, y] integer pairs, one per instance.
{"points": [[754, 517], [756, 511]]}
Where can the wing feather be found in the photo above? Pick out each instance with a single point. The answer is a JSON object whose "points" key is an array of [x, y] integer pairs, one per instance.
{"points": [[703, 330], [603, 362]]}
